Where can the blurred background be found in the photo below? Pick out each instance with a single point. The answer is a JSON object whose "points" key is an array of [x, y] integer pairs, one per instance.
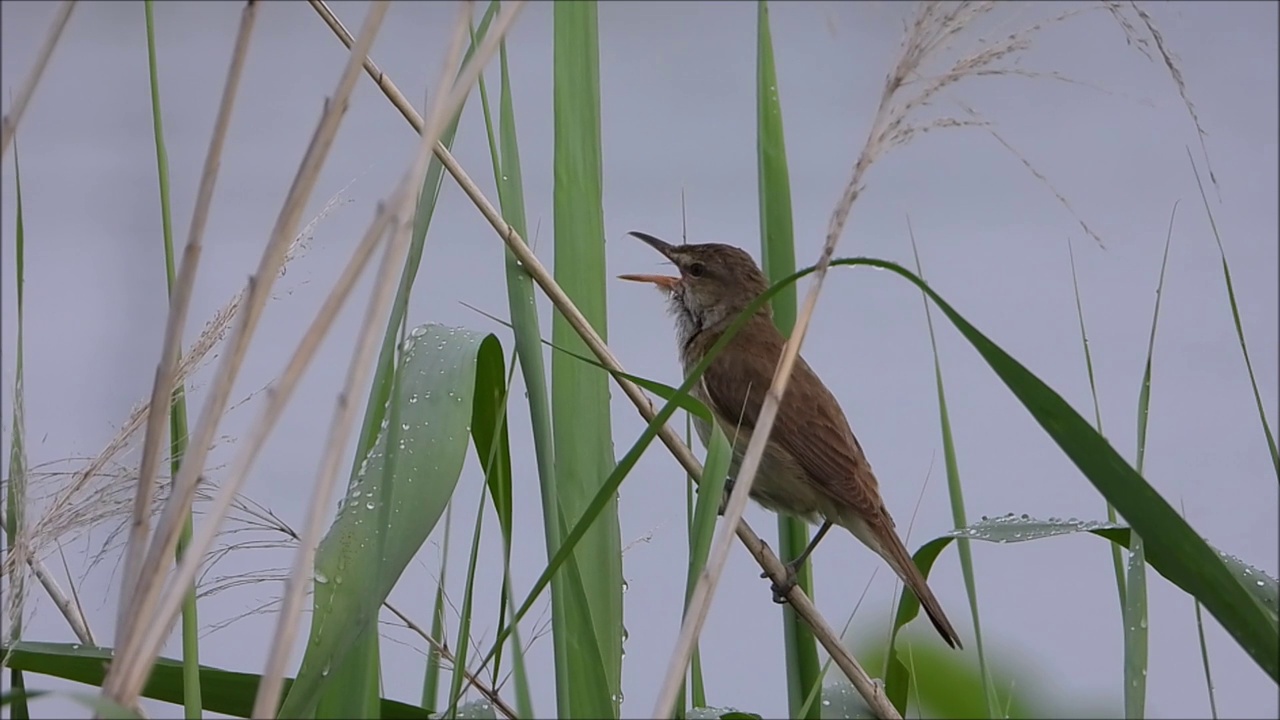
{"points": [[678, 117]]}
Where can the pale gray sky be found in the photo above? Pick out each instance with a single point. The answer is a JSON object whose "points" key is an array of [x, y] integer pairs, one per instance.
{"points": [[679, 113]]}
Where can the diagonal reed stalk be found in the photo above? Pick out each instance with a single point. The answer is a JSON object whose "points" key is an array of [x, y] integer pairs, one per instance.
{"points": [[179, 303], [128, 671], [444, 106], [758, 549], [10, 123], [163, 610], [763, 555]]}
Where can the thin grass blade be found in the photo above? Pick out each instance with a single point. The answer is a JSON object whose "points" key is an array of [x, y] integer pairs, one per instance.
{"points": [[777, 250], [703, 526], [178, 403], [16, 487], [1117, 562], [505, 154], [956, 492], [1135, 609], [1235, 317]]}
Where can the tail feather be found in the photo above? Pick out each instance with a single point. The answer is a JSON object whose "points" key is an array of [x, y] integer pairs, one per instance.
{"points": [[900, 560]]}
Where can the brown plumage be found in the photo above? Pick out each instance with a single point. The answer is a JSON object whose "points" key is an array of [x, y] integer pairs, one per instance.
{"points": [[813, 467]]}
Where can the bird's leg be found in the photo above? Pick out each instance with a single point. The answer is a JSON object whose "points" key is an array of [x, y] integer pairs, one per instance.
{"points": [[780, 591], [724, 500]]}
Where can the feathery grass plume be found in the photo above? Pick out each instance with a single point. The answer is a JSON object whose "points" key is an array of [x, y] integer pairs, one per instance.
{"points": [[101, 488]]}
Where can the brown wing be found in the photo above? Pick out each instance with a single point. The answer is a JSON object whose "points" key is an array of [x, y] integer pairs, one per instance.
{"points": [[812, 428], [810, 424]]}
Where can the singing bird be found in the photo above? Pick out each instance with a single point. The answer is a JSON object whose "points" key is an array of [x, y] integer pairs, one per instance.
{"points": [[813, 467]]}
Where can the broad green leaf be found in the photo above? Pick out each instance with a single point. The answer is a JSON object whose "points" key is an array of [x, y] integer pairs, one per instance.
{"points": [[441, 379], [352, 680], [222, 691], [580, 395]]}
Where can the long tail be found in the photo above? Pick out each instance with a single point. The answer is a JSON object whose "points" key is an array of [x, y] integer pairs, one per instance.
{"points": [[899, 559]]}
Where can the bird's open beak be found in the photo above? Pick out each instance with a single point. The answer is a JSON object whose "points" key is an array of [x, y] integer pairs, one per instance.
{"points": [[665, 282]]}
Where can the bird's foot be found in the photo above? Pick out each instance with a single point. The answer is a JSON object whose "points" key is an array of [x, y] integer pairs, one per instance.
{"points": [[780, 590], [724, 499]]}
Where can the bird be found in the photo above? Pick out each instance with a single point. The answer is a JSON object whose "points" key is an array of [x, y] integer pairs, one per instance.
{"points": [[813, 467]]}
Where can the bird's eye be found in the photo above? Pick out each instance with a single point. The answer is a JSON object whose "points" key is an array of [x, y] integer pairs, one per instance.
{"points": [[697, 269]]}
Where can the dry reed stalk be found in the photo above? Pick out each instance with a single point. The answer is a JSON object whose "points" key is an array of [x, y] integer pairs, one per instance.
{"points": [[166, 611], [180, 302], [132, 663], [10, 123], [83, 503], [759, 550], [402, 203]]}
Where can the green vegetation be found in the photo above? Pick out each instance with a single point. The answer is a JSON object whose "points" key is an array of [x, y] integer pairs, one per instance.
{"points": [[441, 393]]}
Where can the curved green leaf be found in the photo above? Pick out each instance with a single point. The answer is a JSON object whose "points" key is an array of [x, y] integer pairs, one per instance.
{"points": [[1020, 528], [1183, 556], [1173, 548], [444, 374]]}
